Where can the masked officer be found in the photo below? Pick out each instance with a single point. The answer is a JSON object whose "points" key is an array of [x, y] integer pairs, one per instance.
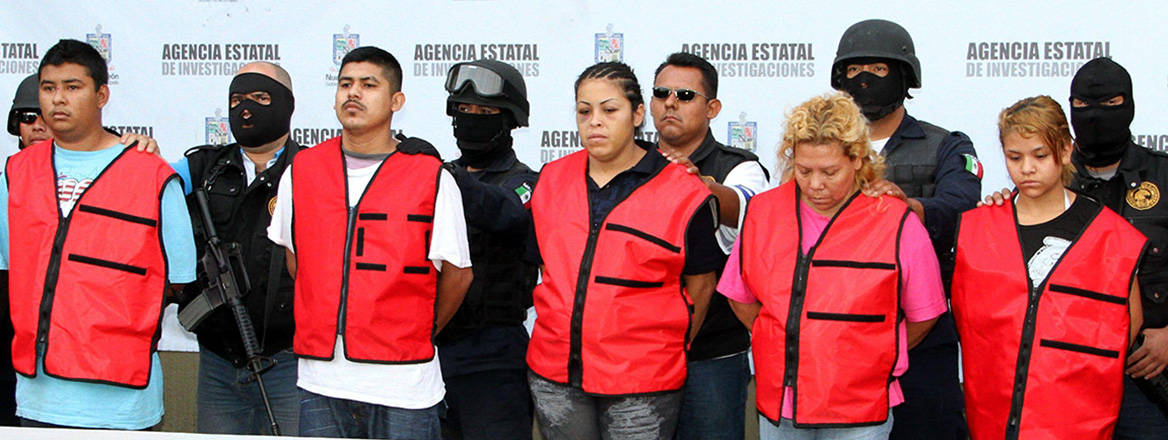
{"points": [[1127, 178], [937, 173], [484, 345], [685, 90], [240, 181]]}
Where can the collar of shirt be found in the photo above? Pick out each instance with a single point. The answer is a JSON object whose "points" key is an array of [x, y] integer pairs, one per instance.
{"points": [[707, 146], [1131, 167], [909, 128], [649, 164]]}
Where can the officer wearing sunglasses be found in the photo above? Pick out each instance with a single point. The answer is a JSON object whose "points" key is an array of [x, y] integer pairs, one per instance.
{"points": [[24, 119], [684, 102]]}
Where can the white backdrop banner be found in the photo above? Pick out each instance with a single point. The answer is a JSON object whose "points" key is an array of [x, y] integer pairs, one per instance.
{"points": [[171, 62]]}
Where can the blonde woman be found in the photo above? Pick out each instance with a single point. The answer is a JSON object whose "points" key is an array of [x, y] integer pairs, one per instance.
{"points": [[835, 285], [1044, 294]]}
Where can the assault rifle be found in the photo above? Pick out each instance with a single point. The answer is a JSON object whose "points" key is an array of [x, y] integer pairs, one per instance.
{"points": [[226, 278]]}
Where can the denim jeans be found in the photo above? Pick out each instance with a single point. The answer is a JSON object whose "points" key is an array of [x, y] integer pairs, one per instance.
{"points": [[714, 403], [1139, 418], [323, 416], [226, 405], [785, 430], [566, 412]]}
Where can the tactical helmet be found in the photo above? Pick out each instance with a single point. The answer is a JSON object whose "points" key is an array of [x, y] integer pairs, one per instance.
{"points": [[877, 39], [26, 99], [488, 82]]}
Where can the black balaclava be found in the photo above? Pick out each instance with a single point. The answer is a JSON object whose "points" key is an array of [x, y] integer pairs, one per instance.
{"points": [[482, 138], [881, 96], [269, 122], [1102, 133]]}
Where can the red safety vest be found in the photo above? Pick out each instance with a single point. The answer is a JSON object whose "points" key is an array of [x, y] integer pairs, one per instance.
{"points": [[828, 324], [1045, 365], [366, 267], [612, 316], [89, 285]]}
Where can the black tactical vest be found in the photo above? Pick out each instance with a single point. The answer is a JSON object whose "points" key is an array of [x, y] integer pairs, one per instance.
{"points": [[500, 293], [1140, 181], [242, 213]]}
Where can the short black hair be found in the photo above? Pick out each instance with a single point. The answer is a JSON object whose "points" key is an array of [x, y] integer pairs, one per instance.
{"points": [[378, 56], [683, 59], [623, 75], [77, 52]]}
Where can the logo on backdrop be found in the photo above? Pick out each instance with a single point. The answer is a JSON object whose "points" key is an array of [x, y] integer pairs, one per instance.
{"points": [[19, 58], [103, 42], [218, 129], [757, 59], [435, 60], [342, 44], [742, 133], [1031, 59], [554, 144], [214, 59], [610, 46]]}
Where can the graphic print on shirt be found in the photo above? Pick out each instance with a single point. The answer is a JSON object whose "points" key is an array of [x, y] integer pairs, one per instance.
{"points": [[69, 190], [1044, 260]]}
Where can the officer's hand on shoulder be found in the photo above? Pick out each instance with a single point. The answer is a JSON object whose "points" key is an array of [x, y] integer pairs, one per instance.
{"points": [[412, 145], [997, 198]]}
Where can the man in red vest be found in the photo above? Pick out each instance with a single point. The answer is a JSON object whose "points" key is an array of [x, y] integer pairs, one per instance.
{"points": [[380, 240], [86, 309]]}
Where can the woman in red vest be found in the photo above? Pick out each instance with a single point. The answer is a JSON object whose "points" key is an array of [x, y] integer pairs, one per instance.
{"points": [[1044, 294], [835, 285], [628, 255]]}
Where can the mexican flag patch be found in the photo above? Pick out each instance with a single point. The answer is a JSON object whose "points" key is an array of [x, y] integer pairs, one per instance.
{"points": [[524, 193], [972, 165]]}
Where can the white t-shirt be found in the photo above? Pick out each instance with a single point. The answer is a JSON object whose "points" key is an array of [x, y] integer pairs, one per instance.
{"points": [[878, 144], [409, 386], [746, 179]]}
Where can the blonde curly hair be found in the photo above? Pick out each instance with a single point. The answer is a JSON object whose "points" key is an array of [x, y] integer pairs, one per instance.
{"points": [[826, 119]]}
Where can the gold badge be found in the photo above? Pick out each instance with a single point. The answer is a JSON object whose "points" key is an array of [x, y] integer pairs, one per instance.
{"points": [[1144, 197], [272, 205]]}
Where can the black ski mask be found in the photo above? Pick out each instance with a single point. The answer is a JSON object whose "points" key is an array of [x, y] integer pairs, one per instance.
{"points": [[877, 97], [1102, 132], [268, 122], [482, 138]]}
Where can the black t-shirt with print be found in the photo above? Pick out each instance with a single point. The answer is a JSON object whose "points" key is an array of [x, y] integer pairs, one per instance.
{"points": [[1044, 243]]}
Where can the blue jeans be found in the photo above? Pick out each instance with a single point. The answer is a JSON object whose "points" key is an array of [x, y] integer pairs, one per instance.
{"points": [[1139, 418], [323, 416], [228, 406], [714, 404], [785, 430]]}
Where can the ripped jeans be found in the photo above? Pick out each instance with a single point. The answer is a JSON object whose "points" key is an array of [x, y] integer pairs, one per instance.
{"points": [[568, 413]]}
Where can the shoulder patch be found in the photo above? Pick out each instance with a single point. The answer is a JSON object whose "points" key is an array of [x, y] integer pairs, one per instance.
{"points": [[524, 193], [972, 165]]}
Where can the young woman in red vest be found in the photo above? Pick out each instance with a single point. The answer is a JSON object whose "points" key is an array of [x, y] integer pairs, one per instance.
{"points": [[835, 285], [628, 255], [1043, 294]]}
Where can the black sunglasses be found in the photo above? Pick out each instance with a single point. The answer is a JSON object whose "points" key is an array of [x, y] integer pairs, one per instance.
{"points": [[27, 116], [684, 95]]}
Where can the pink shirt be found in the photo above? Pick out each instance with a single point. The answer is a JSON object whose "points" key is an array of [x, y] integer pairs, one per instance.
{"points": [[922, 297]]}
